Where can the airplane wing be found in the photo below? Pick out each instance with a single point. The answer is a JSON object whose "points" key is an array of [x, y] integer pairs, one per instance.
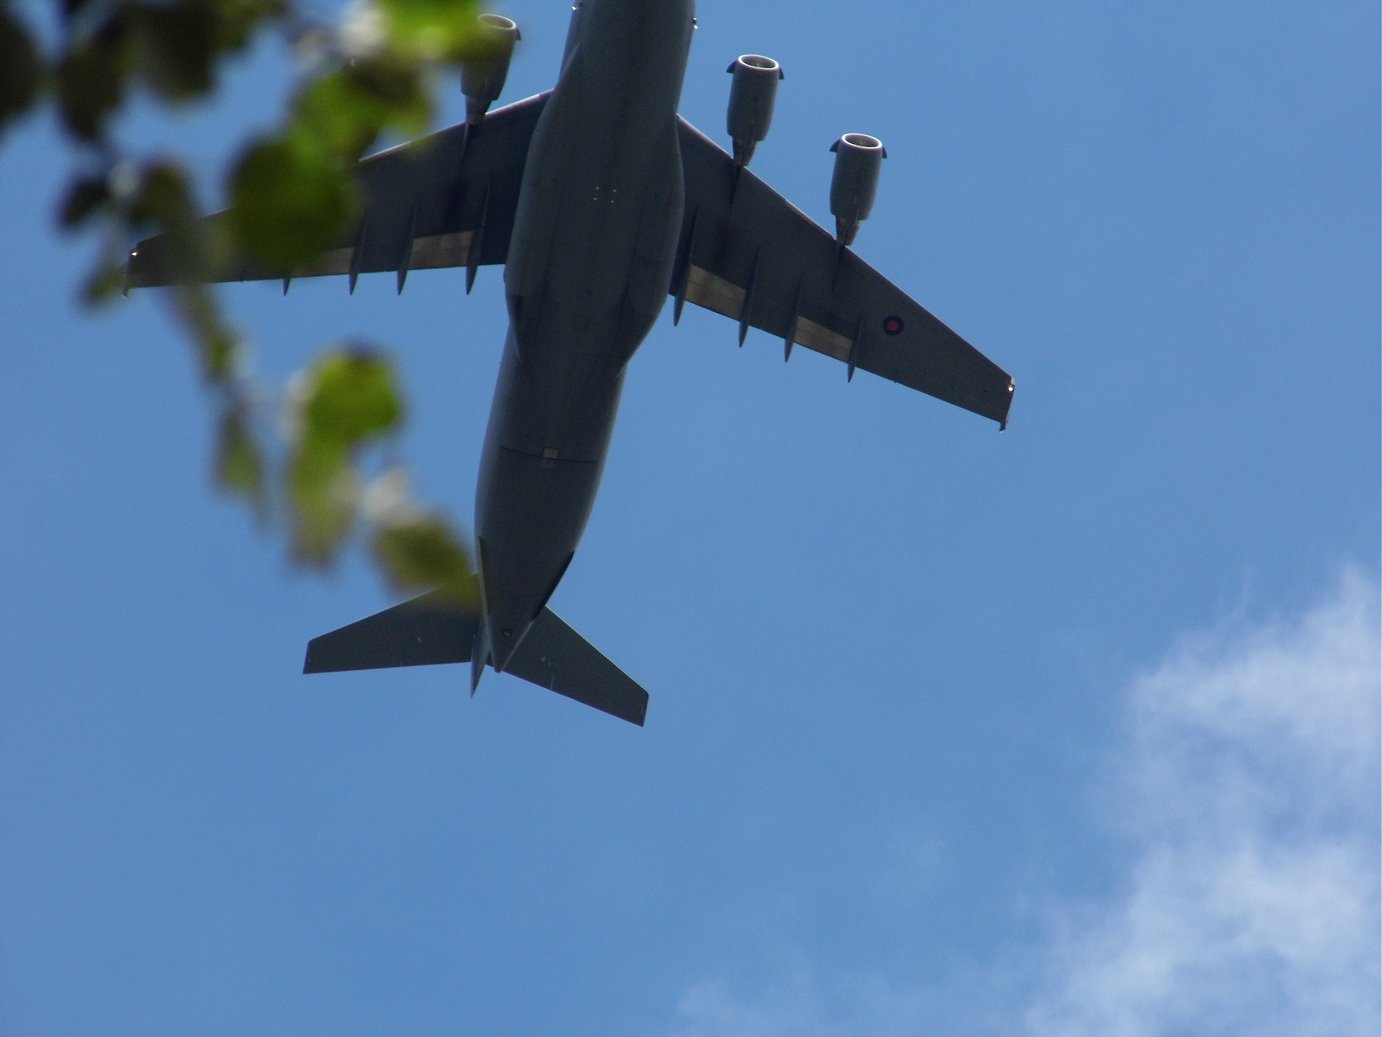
{"points": [[447, 199], [748, 253]]}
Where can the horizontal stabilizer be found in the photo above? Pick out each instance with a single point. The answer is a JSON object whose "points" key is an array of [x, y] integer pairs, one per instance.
{"points": [[434, 629], [554, 656], [426, 630]]}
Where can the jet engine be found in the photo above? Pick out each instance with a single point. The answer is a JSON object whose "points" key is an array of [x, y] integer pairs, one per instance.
{"points": [[858, 161], [751, 102], [482, 76]]}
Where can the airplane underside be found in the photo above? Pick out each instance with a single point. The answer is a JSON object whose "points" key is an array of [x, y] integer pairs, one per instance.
{"points": [[601, 203]]}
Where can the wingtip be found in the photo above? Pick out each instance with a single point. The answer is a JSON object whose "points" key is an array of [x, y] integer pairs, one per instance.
{"points": [[309, 657]]}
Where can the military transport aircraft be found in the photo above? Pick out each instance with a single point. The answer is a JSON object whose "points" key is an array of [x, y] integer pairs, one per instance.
{"points": [[601, 202]]}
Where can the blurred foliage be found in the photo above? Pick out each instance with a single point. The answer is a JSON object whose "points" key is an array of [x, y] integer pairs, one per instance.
{"points": [[291, 194]]}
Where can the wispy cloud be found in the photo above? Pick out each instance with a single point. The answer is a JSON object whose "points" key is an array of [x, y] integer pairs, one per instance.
{"points": [[1244, 795], [1250, 798]]}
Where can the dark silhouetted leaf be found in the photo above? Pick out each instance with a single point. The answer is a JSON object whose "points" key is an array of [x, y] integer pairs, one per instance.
{"points": [[20, 71], [90, 85], [190, 249], [174, 46], [85, 195], [162, 197], [73, 8], [238, 19]]}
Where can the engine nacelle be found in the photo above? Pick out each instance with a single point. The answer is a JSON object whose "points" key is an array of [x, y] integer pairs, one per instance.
{"points": [[858, 161], [751, 100], [482, 76]]}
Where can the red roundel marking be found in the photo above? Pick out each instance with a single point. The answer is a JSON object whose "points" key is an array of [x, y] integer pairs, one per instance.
{"points": [[893, 325]]}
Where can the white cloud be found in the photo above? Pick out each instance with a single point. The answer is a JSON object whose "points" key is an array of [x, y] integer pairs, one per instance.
{"points": [[1245, 793], [788, 1008], [1249, 795], [799, 1003]]}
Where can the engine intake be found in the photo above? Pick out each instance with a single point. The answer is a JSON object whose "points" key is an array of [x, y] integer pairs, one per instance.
{"points": [[858, 161], [482, 76], [751, 100]]}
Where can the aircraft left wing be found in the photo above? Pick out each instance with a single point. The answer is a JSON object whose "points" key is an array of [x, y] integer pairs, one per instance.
{"points": [[447, 199], [748, 253]]}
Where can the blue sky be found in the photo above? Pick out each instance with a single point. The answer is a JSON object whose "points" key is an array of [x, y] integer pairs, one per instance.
{"points": [[1068, 730]]}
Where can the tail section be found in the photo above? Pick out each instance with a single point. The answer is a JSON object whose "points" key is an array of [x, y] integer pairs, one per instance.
{"points": [[426, 630], [433, 629], [554, 656]]}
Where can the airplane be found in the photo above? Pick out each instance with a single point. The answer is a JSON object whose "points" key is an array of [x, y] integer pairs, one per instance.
{"points": [[602, 203]]}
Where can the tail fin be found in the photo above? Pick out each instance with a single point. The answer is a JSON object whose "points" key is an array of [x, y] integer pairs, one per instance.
{"points": [[554, 656], [426, 630], [432, 629]]}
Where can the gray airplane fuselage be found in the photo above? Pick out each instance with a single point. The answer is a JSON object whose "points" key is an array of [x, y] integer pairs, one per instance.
{"points": [[586, 276]]}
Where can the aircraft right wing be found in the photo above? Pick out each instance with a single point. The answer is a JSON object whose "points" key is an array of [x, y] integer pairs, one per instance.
{"points": [[447, 199], [748, 253]]}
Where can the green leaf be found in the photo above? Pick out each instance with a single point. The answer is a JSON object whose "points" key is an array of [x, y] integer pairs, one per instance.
{"points": [[291, 198], [218, 347], [321, 494], [433, 30], [422, 552], [351, 396], [104, 283], [239, 460], [345, 110]]}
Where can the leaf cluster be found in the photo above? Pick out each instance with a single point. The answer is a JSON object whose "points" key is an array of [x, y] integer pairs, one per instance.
{"points": [[291, 194]]}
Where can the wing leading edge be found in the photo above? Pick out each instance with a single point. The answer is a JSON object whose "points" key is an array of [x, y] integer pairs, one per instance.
{"points": [[748, 253]]}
